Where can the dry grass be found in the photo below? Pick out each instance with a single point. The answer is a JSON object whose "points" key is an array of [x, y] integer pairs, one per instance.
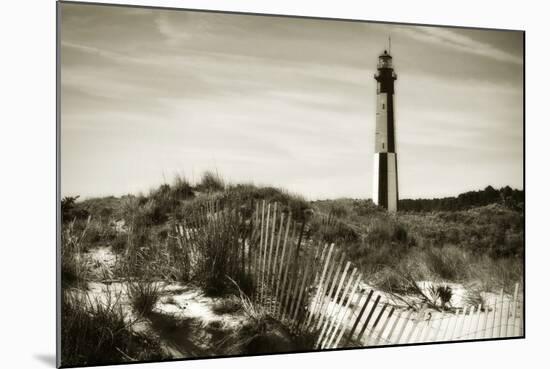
{"points": [[95, 332], [144, 296], [73, 266], [228, 305]]}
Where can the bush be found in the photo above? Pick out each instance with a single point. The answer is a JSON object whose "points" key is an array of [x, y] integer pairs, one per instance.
{"points": [[440, 293], [211, 182], [120, 242], [228, 305], [449, 262], [474, 297], [332, 231], [215, 249], [249, 194], [494, 274], [182, 189], [390, 280], [144, 296], [70, 210]]}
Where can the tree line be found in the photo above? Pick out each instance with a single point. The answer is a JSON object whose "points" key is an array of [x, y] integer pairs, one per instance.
{"points": [[506, 196]]}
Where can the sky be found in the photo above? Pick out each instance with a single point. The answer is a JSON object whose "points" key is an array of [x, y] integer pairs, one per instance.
{"points": [[147, 94]]}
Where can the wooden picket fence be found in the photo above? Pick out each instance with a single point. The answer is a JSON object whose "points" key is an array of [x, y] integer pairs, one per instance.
{"points": [[314, 289]]}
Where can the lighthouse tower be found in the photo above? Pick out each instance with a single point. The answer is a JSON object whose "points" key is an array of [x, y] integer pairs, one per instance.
{"points": [[385, 191]]}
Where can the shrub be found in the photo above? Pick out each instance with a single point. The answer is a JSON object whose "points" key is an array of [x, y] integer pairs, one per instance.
{"points": [[474, 297], [211, 182], [332, 230], [182, 189], [71, 210], [144, 296], [214, 260], [449, 262], [228, 305], [440, 295], [119, 243], [494, 274], [248, 194]]}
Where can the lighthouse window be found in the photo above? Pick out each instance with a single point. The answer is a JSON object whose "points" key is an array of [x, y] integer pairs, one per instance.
{"points": [[383, 106]]}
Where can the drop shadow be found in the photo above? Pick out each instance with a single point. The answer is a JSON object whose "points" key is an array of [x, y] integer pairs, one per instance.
{"points": [[48, 359]]}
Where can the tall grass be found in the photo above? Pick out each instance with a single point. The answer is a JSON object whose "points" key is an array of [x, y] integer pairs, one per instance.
{"points": [[95, 332], [211, 182], [449, 263], [73, 265], [215, 247], [144, 296]]}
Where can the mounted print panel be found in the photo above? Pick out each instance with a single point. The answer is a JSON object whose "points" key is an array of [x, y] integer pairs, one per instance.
{"points": [[237, 184]]}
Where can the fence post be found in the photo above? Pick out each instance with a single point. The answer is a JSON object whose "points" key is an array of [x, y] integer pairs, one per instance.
{"points": [[514, 303], [478, 318], [468, 327], [500, 315]]}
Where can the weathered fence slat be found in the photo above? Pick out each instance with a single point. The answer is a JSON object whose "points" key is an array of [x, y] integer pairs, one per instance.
{"points": [[349, 317], [402, 330], [330, 310], [344, 300], [500, 315], [476, 326], [369, 317], [325, 303], [345, 312], [375, 324], [323, 283], [350, 336], [330, 306]]}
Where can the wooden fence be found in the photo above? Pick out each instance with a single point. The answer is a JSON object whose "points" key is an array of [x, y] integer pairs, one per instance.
{"points": [[313, 288]]}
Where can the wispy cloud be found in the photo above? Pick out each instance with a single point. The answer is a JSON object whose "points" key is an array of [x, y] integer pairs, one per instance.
{"points": [[440, 36]]}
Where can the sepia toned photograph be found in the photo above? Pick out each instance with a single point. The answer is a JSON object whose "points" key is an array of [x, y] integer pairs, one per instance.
{"points": [[237, 184]]}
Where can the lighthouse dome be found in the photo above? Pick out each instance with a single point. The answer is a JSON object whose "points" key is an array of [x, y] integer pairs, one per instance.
{"points": [[385, 60]]}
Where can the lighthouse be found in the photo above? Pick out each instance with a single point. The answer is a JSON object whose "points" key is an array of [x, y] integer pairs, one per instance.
{"points": [[385, 189]]}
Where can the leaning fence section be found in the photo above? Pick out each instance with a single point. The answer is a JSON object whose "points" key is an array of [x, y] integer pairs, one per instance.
{"points": [[312, 286]]}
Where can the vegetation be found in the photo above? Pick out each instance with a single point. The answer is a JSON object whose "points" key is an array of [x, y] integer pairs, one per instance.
{"points": [[482, 244], [95, 332], [73, 266], [263, 334], [475, 239], [143, 296], [505, 196], [475, 236]]}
